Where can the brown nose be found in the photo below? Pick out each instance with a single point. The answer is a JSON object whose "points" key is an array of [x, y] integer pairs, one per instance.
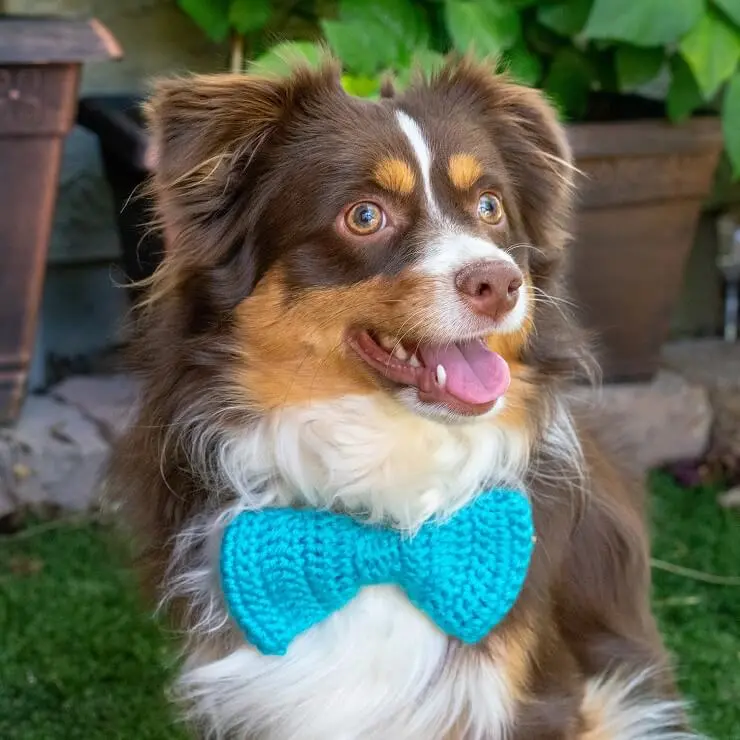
{"points": [[491, 288]]}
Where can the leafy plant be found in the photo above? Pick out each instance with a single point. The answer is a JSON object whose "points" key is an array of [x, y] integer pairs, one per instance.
{"points": [[686, 52]]}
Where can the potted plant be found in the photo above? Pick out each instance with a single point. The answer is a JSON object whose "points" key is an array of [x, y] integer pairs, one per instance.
{"points": [[40, 62], [626, 76]]}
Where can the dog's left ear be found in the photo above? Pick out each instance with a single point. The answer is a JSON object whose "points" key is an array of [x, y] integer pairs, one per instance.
{"points": [[525, 130]]}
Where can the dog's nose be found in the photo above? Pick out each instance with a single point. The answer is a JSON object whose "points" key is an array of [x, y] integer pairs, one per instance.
{"points": [[490, 288]]}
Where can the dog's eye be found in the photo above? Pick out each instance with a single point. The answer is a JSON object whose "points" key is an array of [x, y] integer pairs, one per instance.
{"points": [[365, 218], [490, 208]]}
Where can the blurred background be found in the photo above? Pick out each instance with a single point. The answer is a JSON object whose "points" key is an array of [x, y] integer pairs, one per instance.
{"points": [[650, 93]]}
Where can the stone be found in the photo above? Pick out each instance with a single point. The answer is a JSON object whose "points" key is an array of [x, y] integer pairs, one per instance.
{"points": [[8, 502], [106, 401], [730, 499], [54, 456], [716, 365], [82, 312], [84, 217], [653, 424], [707, 361]]}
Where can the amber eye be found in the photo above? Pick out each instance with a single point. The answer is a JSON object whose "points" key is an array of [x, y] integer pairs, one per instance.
{"points": [[364, 219], [490, 208]]}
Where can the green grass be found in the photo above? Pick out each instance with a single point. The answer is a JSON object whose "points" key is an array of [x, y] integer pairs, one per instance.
{"points": [[79, 658], [700, 621]]}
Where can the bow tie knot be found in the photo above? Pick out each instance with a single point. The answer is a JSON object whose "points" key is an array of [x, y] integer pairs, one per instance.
{"points": [[285, 570]]}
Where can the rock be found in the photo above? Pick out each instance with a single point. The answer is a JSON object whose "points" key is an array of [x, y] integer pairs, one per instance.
{"points": [[7, 501], [655, 423], [53, 455], [716, 365], [107, 401], [84, 216], [730, 499]]}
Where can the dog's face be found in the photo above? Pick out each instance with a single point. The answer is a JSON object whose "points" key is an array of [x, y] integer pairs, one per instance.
{"points": [[353, 247]]}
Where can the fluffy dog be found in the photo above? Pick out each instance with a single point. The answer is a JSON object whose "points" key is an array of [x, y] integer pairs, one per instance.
{"points": [[361, 310]]}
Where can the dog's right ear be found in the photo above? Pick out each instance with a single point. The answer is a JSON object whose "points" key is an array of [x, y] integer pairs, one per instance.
{"points": [[205, 132]]}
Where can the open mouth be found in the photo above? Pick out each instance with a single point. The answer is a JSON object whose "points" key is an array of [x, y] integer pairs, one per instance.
{"points": [[466, 377]]}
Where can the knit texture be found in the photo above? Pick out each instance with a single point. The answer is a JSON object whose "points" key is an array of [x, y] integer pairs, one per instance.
{"points": [[285, 570]]}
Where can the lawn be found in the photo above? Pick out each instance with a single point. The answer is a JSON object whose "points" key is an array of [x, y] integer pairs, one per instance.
{"points": [[79, 658]]}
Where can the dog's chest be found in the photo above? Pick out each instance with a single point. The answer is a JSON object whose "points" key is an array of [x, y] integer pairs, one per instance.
{"points": [[376, 669]]}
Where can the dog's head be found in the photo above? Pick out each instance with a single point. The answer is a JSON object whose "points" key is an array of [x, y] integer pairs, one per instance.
{"points": [[349, 247]]}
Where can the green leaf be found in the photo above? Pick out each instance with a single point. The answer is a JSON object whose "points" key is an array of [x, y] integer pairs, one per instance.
{"points": [[211, 16], [524, 66], [603, 69], [399, 21], [281, 58], [566, 18], [731, 122], [543, 41], [643, 22], [363, 48], [362, 87], [427, 61], [401, 18], [568, 82], [731, 8], [249, 15], [423, 60], [487, 28], [636, 66], [712, 50], [684, 95]]}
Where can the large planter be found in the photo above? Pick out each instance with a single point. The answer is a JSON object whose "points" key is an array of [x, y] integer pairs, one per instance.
{"points": [[40, 62], [640, 198]]}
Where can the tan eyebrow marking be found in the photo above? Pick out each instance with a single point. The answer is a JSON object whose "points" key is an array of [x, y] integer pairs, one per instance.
{"points": [[464, 170], [394, 174]]}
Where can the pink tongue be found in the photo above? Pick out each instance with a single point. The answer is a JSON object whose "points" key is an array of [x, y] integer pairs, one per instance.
{"points": [[474, 373]]}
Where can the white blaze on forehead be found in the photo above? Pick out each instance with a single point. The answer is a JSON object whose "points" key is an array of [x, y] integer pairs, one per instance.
{"points": [[451, 249], [415, 136]]}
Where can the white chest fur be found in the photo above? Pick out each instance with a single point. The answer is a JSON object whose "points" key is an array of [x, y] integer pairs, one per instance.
{"points": [[376, 670]]}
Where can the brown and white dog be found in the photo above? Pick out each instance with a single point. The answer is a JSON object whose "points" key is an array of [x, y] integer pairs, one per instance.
{"points": [[361, 309]]}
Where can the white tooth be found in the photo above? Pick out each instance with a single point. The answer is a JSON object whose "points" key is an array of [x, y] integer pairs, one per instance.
{"points": [[414, 361], [400, 352], [441, 376], [387, 342]]}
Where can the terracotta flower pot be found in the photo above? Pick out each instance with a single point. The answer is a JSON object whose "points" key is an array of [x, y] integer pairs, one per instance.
{"points": [[40, 62], [640, 198]]}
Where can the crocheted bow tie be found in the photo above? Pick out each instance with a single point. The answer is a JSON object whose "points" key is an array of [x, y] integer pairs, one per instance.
{"points": [[285, 570]]}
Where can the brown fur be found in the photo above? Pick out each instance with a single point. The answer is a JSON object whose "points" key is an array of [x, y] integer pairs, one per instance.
{"points": [[251, 305]]}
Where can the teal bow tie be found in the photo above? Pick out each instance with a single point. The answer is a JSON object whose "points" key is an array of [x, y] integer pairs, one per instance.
{"points": [[285, 570]]}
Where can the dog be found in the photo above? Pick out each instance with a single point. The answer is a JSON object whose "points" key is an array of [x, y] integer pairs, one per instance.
{"points": [[362, 310]]}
